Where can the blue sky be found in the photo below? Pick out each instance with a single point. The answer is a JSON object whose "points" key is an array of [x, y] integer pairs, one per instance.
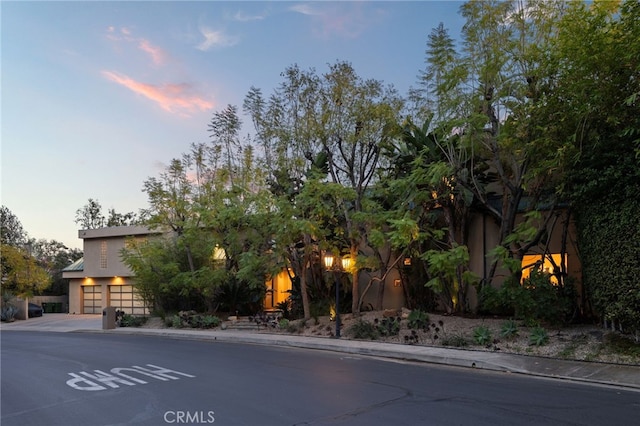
{"points": [[98, 96]]}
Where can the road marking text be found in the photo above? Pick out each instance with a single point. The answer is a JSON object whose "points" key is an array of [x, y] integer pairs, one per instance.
{"points": [[100, 380]]}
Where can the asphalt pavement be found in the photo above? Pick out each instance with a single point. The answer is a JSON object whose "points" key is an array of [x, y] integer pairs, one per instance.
{"points": [[627, 376]]}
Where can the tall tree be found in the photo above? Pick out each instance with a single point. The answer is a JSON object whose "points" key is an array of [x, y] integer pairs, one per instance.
{"points": [[11, 231], [53, 256], [357, 117], [483, 119], [286, 128], [90, 215], [170, 203], [21, 274], [592, 113], [212, 200]]}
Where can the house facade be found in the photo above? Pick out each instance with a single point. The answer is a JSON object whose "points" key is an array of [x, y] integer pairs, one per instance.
{"points": [[100, 278], [556, 248]]}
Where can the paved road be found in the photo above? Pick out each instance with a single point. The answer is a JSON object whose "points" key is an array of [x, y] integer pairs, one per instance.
{"points": [[106, 379], [626, 376]]}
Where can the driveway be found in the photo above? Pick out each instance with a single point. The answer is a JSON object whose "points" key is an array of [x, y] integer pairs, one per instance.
{"points": [[56, 322]]}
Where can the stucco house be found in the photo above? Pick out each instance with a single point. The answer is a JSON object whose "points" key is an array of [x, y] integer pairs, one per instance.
{"points": [[100, 278]]}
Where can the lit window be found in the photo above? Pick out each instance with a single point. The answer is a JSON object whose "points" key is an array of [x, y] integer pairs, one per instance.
{"points": [[103, 255], [545, 263]]}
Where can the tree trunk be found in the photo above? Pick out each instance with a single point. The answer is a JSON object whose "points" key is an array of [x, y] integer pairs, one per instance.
{"points": [[355, 285], [304, 293], [381, 286]]}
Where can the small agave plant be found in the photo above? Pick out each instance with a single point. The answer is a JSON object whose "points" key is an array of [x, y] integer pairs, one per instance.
{"points": [[8, 313]]}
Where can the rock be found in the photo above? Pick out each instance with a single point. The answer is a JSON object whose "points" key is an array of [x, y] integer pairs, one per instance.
{"points": [[389, 313]]}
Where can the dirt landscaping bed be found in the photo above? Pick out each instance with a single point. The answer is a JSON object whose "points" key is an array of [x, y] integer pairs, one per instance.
{"points": [[579, 342]]}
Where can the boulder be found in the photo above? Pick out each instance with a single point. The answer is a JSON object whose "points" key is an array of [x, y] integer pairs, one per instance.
{"points": [[390, 313], [405, 313]]}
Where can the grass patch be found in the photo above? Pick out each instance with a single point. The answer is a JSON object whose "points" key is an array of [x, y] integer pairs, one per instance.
{"points": [[455, 340], [621, 345], [365, 330]]}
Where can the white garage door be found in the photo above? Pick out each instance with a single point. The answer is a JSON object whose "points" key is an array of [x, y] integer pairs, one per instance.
{"points": [[91, 299], [124, 298]]}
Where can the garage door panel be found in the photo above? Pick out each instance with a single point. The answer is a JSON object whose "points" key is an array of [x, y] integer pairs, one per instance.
{"points": [[124, 298], [91, 299]]}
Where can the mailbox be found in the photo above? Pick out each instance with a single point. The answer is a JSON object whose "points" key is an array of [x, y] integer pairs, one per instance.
{"points": [[109, 318]]}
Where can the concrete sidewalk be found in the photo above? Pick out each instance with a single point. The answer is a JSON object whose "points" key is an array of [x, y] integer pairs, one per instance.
{"points": [[627, 376]]}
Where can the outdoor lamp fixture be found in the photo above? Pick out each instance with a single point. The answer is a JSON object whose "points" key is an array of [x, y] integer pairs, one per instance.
{"points": [[345, 262]]}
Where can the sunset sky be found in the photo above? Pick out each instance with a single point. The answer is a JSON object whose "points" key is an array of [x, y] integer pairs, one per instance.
{"points": [[99, 96]]}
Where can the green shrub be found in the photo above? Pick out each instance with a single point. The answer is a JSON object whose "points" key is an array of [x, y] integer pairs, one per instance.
{"points": [[283, 324], [8, 313], [482, 335], [609, 243], [534, 300], [296, 326], [209, 321], [622, 345], [388, 326], [509, 329], [239, 297], [492, 301], [318, 309], [538, 337], [417, 320], [132, 321], [285, 307], [455, 340], [362, 329], [176, 321]]}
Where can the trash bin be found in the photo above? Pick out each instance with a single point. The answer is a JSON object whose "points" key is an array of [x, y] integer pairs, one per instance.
{"points": [[108, 318]]}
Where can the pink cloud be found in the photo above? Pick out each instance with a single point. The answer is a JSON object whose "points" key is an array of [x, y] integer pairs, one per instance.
{"points": [[157, 54], [347, 19], [174, 98]]}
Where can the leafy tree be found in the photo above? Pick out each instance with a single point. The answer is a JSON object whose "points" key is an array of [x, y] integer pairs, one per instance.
{"points": [[357, 117], [170, 203], [90, 216], [487, 138], [212, 200], [592, 110], [121, 219], [11, 231], [21, 274], [331, 125], [53, 256], [296, 166], [31, 266]]}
